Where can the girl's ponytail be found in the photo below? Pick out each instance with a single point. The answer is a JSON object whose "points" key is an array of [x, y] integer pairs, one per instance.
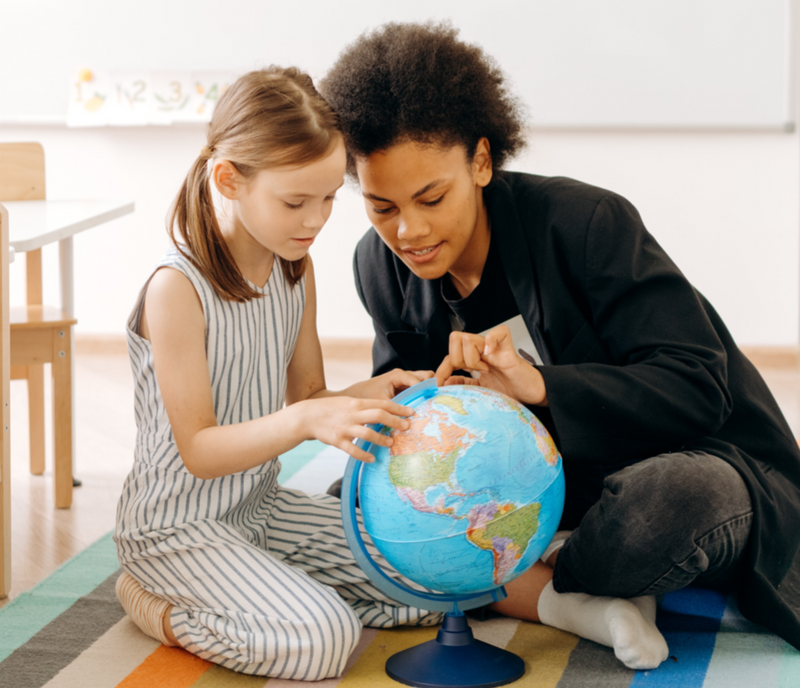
{"points": [[268, 118], [194, 217]]}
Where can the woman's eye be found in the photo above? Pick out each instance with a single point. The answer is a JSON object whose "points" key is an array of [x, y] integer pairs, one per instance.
{"points": [[380, 211], [433, 203]]}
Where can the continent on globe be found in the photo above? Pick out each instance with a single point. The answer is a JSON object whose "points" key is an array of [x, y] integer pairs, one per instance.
{"points": [[505, 530]]}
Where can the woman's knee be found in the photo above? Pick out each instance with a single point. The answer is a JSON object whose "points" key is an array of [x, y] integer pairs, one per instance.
{"points": [[686, 493], [656, 519]]}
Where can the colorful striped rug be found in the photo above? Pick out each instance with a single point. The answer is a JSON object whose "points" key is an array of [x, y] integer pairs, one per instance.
{"points": [[70, 632]]}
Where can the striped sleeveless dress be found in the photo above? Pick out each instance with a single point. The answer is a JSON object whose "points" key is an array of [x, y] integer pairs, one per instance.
{"points": [[260, 576]]}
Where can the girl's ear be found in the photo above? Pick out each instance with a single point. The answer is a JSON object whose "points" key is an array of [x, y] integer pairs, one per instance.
{"points": [[227, 179], [482, 163]]}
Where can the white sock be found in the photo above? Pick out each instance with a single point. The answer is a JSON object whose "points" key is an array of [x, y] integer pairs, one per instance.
{"points": [[556, 543], [143, 607], [628, 626]]}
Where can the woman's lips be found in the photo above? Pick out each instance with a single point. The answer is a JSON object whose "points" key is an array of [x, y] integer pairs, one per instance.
{"points": [[424, 254]]}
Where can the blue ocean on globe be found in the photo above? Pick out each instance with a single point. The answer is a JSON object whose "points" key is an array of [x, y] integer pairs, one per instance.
{"points": [[469, 496]]}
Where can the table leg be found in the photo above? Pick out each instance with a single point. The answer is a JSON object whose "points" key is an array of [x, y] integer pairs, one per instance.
{"points": [[65, 265]]}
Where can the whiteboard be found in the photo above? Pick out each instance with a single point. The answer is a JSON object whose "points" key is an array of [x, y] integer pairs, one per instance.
{"points": [[574, 63]]}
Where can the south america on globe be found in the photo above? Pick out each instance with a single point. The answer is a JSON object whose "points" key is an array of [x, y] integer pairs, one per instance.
{"points": [[469, 496]]}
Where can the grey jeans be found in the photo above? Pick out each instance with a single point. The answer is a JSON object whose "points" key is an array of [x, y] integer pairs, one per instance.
{"points": [[658, 526]]}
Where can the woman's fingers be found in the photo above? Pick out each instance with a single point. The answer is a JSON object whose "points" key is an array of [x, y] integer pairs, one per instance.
{"points": [[472, 347], [444, 371], [465, 351], [498, 340]]}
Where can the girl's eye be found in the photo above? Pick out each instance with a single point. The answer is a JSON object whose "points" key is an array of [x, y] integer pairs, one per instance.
{"points": [[380, 211], [430, 204], [292, 206]]}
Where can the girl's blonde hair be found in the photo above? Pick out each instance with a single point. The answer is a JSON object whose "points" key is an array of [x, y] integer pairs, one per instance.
{"points": [[268, 118]]}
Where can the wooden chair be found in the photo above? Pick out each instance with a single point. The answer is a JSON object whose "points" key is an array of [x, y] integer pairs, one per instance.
{"points": [[39, 334]]}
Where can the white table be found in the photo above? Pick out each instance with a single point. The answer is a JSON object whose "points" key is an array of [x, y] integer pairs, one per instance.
{"points": [[34, 224]]}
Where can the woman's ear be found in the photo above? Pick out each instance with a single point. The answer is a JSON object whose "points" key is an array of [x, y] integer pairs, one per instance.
{"points": [[482, 163], [227, 179]]}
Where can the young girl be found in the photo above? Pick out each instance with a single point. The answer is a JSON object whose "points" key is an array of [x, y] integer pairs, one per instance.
{"points": [[218, 558]]}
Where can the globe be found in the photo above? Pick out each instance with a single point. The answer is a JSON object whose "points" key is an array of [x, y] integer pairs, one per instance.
{"points": [[465, 500], [469, 496]]}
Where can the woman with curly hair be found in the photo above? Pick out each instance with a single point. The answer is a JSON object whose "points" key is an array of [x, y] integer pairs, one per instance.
{"points": [[680, 466]]}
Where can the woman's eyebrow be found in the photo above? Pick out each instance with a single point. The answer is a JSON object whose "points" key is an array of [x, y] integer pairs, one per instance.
{"points": [[416, 194], [426, 188]]}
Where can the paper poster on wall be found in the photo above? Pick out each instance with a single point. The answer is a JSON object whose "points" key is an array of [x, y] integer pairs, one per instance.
{"points": [[172, 96], [89, 92], [129, 98], [206, 89]]}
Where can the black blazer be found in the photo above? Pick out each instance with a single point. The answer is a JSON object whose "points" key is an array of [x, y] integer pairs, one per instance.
{"points": [[637, 362]]}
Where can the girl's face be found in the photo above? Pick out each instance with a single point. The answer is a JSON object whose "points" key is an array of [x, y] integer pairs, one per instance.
{"points": [[426, 203], [283, 209]]}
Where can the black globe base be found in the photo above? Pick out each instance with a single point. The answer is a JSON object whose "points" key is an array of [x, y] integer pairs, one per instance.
{"points": [[455, 660]]}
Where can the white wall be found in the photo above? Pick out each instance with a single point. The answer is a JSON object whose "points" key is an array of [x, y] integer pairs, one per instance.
{"points": [[726, 206]]}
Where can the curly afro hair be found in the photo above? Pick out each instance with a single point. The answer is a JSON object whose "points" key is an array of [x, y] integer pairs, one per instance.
{"points": [[419, 82]]}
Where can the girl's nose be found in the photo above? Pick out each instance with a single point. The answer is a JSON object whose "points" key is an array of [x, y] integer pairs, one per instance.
{"points": [[315, 219]]}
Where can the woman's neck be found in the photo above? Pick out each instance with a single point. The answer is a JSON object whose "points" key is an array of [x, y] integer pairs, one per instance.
{"points": [[466, 273]]}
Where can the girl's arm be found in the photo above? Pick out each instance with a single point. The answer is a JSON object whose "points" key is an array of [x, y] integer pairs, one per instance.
{"points": [[173, 321], [306, 375]]}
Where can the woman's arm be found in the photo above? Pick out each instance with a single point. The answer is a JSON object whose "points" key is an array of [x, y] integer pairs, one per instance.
{"points": [[173, 322]]}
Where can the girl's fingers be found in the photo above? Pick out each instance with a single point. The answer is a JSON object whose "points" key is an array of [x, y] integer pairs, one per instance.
{"points": [[461, 380], [373, 437], [404, 378], [389, 407], [377, 417], [356, 452], [422, 375]]}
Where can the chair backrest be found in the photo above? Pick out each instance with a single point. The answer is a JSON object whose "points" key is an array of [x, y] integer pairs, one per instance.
{"points": [[21, 172]]}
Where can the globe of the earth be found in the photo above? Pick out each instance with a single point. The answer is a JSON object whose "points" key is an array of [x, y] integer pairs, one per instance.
{"points": [[469, 496]]}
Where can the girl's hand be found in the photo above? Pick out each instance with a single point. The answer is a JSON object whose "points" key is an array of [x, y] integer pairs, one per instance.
{"points": [[388, 385], [498, 363], [338, 421]]}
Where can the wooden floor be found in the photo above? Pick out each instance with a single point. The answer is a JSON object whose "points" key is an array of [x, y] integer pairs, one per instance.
{"points": [[44, 537]]}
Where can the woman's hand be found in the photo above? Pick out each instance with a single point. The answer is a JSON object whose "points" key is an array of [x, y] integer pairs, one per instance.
{"points": [[498, 363], [339, 420], [388, 385]]}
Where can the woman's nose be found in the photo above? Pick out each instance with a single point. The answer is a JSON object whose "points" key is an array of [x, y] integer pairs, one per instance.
{"points": [[412, 229]]}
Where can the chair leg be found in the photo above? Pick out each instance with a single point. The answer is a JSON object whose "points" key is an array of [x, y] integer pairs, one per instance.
{"points": [[62, 416], [35, 379]]}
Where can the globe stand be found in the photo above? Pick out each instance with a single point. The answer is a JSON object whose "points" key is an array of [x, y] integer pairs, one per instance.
{"points": [[455, 660]]}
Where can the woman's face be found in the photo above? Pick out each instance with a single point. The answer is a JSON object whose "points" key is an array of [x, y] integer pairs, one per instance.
{"points": [[426, 203]]}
